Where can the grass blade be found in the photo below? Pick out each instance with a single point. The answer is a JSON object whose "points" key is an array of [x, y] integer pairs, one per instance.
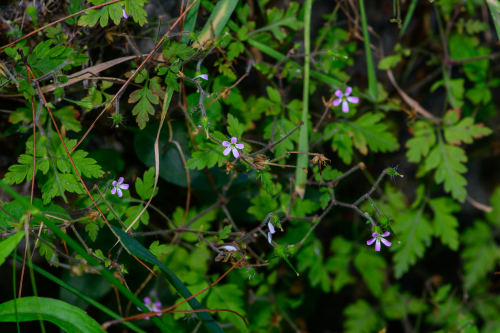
{"points": [[408, 17], [302, 159], [372, 78], [78, 293], [191, 17], [218, 20]]}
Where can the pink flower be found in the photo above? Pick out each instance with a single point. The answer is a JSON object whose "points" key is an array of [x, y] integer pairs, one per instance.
{"points": [[118, 186], [270, 233], [203, 76], [233, 146], [344, 98], [379, 238], [125, 14], [153, 307]]}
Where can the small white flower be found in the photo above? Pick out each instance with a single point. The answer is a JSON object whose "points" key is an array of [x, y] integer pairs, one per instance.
{"points": [[228, 248], [270, 233]]}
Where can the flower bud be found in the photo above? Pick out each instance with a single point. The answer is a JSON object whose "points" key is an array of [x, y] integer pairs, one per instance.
{"points": [[377, 229], [281, 252], [117, 119], [204, 125], [384, 220], [392, 172], [275, 220]]}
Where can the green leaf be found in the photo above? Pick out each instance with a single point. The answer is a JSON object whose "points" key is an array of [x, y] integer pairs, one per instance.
{"points": [[396, 306], [228, 296], [480, 253], [159, 249], [389, 61], [144, 108], [448, 160], [494, 216], [266, 180], [361, 318], [279, 18], [64, 315], [46, 59], [208, 155], [177, 50], [370, 265], [145, 188], [8, 245], [464, 131], [135, 7], [132, 212], [369, 131], [444, 223], [262, 204], [219, 17], [310, 260], [224, 232], [135, 248], [17, 210], [67, 115], [414, 231], [92, 228], [422, 142], [235, 128]]}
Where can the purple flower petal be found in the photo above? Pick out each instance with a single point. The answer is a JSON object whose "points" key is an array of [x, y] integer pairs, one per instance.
{"points": [[120, 180], [226, 143], [345, 107], [147, 318], [234, 140], [370, 242], [271, 228], [385, 234], [337, 102], [374, 234], [339, 93], [113, 190], [385, 241], [228, 248], [348, 91], [147, 300], [235, 153], [270, 238], [124, 186], [240, 146], [125, 14], [157, 305], [227, 151], [203, 76], [353, 100], [119, 192], [114, 183], [138, 308], [377, 245]]}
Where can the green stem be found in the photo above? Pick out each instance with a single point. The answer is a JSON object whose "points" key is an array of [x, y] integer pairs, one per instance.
{"points": [[302, 160]]}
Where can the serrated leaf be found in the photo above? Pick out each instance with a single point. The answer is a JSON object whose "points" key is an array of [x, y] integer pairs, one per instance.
{"points": [[361, 317], [310, 260], [132, 212], [465, 131], [59, 183], [266, 180], [414, 231], [143, 109], [235, 129], [389, 61], [369, 131], [424, 139], [449, 164], [177, 50], [135, 7], [480, 253], [67, 115], [370, 266], [208, 155], [444, 223], [279, 18], [224, 232], [145, 187], [228, 296], [158, 250], [16, 209], [92, 228]]}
